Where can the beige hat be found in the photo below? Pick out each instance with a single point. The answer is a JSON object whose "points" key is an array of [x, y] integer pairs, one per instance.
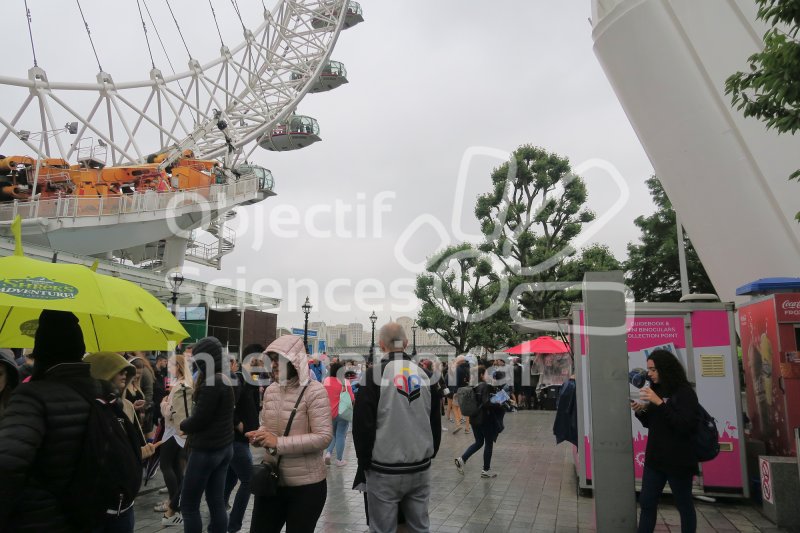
{"points": [[106, 365]]}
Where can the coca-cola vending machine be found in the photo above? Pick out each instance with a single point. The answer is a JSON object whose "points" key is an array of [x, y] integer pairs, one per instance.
{"points": [[769, 327]]}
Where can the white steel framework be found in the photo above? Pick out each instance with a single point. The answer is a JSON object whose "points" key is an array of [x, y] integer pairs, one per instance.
{"points": [[254, 86]]}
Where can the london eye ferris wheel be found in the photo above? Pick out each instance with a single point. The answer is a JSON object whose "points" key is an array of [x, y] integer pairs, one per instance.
{"points": [[121, 99]]}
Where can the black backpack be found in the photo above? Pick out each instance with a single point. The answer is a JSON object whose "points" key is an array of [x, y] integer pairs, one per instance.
{"points": [[706, 438], [109, 472], [467, 401]]}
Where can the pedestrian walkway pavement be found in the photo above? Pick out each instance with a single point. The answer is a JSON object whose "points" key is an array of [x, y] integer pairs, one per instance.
{"points": [[535, 491]]}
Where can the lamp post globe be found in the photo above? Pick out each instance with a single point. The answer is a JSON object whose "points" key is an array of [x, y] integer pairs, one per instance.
{"points": [[414, 336], [372, 318], [175, 281], [306, 310]]}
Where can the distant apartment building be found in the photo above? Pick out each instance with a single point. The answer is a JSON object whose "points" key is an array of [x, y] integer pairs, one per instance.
{"points": [[336, 335], [355, 334]]}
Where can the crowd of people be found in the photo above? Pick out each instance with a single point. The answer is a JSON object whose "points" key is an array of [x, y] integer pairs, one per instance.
{"points": [[78, 431]]}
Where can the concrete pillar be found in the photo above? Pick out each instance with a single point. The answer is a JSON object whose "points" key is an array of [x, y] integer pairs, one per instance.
{"points": [[174, 253], [780, 490], [611, 441]]}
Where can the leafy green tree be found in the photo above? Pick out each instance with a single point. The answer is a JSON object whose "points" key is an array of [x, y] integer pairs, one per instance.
{"points": [[653, 271], [771, 90], [495, 332], [535, 209], [594, 258], [462, 298]]}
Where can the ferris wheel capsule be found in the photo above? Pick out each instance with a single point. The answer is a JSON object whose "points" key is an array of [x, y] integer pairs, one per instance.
{"points": [[333, 75], [354, 15], [298, 132]]}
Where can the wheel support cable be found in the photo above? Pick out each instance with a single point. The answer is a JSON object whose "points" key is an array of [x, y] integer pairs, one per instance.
{"points": [[30, 33], [146, 37], [89, 33], [160, 40], [216, 22], [179, 29], [238, 13]]}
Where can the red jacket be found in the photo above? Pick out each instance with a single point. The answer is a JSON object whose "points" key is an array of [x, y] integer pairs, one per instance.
{"points": [[334, 388]]}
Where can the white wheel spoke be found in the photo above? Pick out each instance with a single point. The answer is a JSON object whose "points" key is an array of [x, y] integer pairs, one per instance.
{"points": [[250, 84]]}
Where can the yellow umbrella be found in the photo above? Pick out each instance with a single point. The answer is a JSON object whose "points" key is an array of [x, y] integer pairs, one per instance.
{"points": [[115, 315]]}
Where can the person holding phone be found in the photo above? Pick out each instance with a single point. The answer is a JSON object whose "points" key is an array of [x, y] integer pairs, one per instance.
{"points": [[669, 411], [486, 423]]}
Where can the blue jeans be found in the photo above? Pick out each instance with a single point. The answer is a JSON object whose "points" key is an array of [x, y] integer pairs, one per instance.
{"points": [[205, 472], [485, 439], [241, 469], [653, 482], [340, 426], [117, 524]]}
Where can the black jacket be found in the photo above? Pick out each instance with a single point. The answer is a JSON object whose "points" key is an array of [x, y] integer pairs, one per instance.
{"points": [[670, 426], [246, 412], [41, 438], [210, 426], [462, 376], [159, 391]]}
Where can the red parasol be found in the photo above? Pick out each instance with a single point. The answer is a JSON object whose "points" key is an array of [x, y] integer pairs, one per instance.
{"points": [[541, 345]]}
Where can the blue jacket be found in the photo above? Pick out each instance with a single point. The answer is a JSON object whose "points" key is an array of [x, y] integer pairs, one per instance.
{"points": [[317, 371]]}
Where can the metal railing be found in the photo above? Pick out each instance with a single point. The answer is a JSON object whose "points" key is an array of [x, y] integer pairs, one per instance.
{"points": [[135, 203], [211, 252]]}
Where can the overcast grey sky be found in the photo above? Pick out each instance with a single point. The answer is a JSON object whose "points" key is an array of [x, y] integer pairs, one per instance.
{"points": [[430, 81]]}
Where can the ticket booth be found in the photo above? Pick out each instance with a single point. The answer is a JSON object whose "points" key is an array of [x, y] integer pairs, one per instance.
{"points": [[702, 336]]}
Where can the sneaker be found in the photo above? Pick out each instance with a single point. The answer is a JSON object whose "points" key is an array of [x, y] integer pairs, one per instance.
{"points": [[460, 465], [488, 473], [163, 490], [161, 507], [458, 428], [327, 458], [343, 462], [451, 419], [174, 520], [444, 428]]}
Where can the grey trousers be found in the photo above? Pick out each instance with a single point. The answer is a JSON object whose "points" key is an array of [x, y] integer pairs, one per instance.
{"points": [[411, 492]]}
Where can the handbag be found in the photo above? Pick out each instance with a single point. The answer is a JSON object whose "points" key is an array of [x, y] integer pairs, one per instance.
{"points": [[265, 477], [345, 404]]}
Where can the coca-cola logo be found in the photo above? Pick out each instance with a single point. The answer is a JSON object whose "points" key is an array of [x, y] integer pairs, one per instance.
{"points": [[790, 304]]}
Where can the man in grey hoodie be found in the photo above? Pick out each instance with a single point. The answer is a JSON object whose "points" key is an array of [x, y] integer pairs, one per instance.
{"points": [[396, 434]]}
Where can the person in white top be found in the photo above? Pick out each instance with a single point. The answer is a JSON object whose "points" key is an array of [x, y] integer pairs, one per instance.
{"points": [[174, 408]]}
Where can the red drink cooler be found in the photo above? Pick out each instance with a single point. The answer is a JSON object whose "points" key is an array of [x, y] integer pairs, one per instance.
{"points": [[769, 327]]}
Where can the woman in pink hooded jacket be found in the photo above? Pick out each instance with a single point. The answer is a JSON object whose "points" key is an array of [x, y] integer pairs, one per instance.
{"points": [[302, 489]]}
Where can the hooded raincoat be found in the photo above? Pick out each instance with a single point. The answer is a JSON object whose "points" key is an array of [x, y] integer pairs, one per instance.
{"points": [[302, 461]]}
